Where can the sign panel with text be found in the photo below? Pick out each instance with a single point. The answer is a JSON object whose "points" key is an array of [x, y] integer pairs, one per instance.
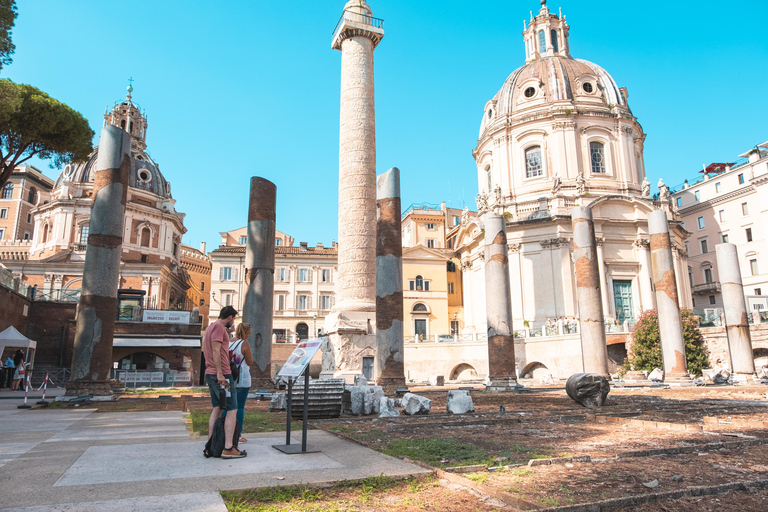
{"points": [[300, 358]]}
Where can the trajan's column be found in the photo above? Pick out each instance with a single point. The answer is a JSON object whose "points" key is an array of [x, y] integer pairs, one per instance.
{"points": [[352, 324]]}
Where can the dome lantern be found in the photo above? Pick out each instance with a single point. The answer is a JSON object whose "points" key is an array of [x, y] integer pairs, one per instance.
{"points": [[128, 116], [546, 35]]}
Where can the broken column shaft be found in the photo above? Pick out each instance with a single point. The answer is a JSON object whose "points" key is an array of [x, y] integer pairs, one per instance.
{"points": [[498, 305], [97, 310], [736, 314], [260, 278], [594, 351], [389, 283], [667, 302]]}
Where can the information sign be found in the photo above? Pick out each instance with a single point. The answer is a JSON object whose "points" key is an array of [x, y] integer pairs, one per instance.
{"points": [[300, 358]]}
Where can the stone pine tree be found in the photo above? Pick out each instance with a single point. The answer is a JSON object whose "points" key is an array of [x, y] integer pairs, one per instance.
{"points": [[646, 343], [34, 124], [8, 15]]}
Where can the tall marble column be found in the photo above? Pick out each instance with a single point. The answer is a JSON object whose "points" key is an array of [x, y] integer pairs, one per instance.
{"points": [[667, 302], [498, 306], [260, 278], [594, 352], [351, 325], [736, 314], [97, 310], [389, 284]]}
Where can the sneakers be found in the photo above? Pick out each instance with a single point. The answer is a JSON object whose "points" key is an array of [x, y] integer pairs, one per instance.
{"points": [[233, 453]]}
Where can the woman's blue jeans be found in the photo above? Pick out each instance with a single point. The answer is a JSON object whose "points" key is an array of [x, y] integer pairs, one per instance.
{"points": [[242, 395]]}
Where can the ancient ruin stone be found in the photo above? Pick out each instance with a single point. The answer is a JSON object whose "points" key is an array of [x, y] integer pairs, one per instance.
{"points": [[277, 403], [387, 408], [361, 380], [656, 375], [588, 389], [415, 404], [436, 380], [459, 402]]}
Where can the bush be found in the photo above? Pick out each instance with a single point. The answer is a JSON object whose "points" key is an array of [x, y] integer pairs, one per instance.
{"points": [[646, 344]]}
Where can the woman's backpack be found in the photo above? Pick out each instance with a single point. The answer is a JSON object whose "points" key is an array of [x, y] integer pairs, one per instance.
{"points": [[234, 363]]}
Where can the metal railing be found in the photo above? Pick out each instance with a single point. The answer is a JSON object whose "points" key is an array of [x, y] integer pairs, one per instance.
{"points": [[12, 282], [58, 296], [363, 19]]}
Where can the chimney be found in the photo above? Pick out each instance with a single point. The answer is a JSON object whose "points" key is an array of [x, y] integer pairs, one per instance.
{"points": [[320, 246], [333, 243], [202, 247], [303, 246]]}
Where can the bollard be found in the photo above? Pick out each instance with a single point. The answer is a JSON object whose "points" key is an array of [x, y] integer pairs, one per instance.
{"points": [[26, 393], [45, 387]]}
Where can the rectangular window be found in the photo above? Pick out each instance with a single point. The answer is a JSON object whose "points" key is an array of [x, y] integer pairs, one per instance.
{"points": [[704, 246], [303, 302], [744, 209], [724, 238], [753, 267], [202, 286], [456, 220], [597, 156], [533, 167], [325, 275], [712, 299], [697, 195], [281, 275], [226, 275], [700, 220], [679, 202], [717, 187], [454, 327], [202, 302], [226, 299], [26, 236], [243, 240], [3, 213], [450, 287], [741, 179], [431, 243], [426, 286], [721, 215], [325, 302], [758, 291], [412, 285], [29, 218], [450, 266], [707, 275], [748, 231], [303, 275], [279, 301], [278, 241], [2, 233], [84, 234], [430, 225]]}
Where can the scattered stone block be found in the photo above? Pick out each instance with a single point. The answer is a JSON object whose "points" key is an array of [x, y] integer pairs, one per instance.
{"points": [[414, 404], [546, 379], [372, 399], [459, 402], [588, 389], [436, 380], [277, 403], [656, 375], [362, 400], [718, 375], [653, 484], [676, 478], [387, 408], [361, 380]]}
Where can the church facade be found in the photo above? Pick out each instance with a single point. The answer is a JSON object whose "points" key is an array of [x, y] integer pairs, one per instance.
{"points": [[560, 133]]}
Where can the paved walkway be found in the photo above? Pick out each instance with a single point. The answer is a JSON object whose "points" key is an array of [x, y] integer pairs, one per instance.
{"points": [[77, 459]]}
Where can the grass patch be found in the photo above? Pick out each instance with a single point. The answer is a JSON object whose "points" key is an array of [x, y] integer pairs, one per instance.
{"points": [[253, 421], [480, 478], [440, 452]]}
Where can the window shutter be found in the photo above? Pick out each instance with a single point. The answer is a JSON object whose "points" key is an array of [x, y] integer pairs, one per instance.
{"points": [[309, 302], [221, 274], [234, 274]]}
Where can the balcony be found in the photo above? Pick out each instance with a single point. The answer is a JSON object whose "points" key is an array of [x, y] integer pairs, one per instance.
{"points": [[706, 288], [357, 21]]}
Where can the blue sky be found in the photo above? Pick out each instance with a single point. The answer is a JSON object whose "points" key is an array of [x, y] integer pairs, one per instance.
{"points": [[247, 88]]}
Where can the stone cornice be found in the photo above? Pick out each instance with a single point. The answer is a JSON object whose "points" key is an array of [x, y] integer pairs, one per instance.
{"points": [[718, 200]]}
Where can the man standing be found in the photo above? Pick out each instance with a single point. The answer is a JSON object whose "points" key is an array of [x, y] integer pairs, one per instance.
{"points": [[218, 374]]}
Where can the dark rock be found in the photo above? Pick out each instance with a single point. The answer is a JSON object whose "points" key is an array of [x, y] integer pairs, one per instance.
{"points": [[588, 389]]}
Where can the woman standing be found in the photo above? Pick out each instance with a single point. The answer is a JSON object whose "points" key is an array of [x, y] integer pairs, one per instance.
{"points": [[18, 361], [240, 350]]}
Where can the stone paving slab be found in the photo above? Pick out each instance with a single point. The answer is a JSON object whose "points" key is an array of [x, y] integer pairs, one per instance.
{"points": [[198, 502], [109, 464], [10, 451], [40, 421]]}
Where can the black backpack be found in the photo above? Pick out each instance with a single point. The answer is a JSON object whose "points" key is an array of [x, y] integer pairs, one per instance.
{"points": [[215, 444]]}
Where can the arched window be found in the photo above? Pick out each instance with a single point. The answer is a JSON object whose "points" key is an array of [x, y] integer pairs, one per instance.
{"points": [[419, 283], [32, 195], [553, 36], [8, 191], [420, 308], [145, 237], [45, 232], [533, 165], [489, 178], [597, 157], [542, 42]]}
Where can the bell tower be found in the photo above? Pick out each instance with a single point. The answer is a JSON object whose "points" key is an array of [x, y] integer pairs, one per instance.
{"points": [[129, 117]]}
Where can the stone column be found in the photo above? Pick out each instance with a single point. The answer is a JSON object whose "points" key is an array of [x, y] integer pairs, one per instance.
{"points": [[260, 278], [599, 241], [97, 311], [352, 323], [498, 306], [667, 302], [389, 284], [736, 315], [594, 352]]}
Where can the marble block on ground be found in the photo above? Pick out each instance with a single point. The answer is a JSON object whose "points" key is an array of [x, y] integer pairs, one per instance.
{"points": [[415, 404], [387, 408], [459, 402]]}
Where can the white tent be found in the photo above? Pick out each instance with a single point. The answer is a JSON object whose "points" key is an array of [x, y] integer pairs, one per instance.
{"points": [[12, 338]]}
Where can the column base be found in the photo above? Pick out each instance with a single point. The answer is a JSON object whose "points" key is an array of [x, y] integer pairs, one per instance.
{"points": [[93, 388], [351, 339], [742, 378], [678, 379], [501, 384], [390, 385]]}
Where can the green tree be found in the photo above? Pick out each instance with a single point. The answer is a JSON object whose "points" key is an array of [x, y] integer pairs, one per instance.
{"points": [[646, 343], [34, 124], [8, 15]]}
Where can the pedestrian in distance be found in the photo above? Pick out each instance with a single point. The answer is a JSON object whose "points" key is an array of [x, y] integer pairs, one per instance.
{"points": [[218, 376], [240, 355], [10, 368], [18, 374]]}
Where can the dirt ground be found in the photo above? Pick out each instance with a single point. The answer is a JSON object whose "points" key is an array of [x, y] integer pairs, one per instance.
{"points": [[644, 442]]}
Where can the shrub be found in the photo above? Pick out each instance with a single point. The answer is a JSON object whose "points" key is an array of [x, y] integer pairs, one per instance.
{"points": [[646, 344]]}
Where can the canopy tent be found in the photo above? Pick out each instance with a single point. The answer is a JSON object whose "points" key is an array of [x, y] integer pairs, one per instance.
{"points": [[11, 338]]}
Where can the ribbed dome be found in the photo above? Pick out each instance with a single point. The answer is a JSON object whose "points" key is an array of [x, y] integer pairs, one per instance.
{"points": [[145, 173], [549, 80]]}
